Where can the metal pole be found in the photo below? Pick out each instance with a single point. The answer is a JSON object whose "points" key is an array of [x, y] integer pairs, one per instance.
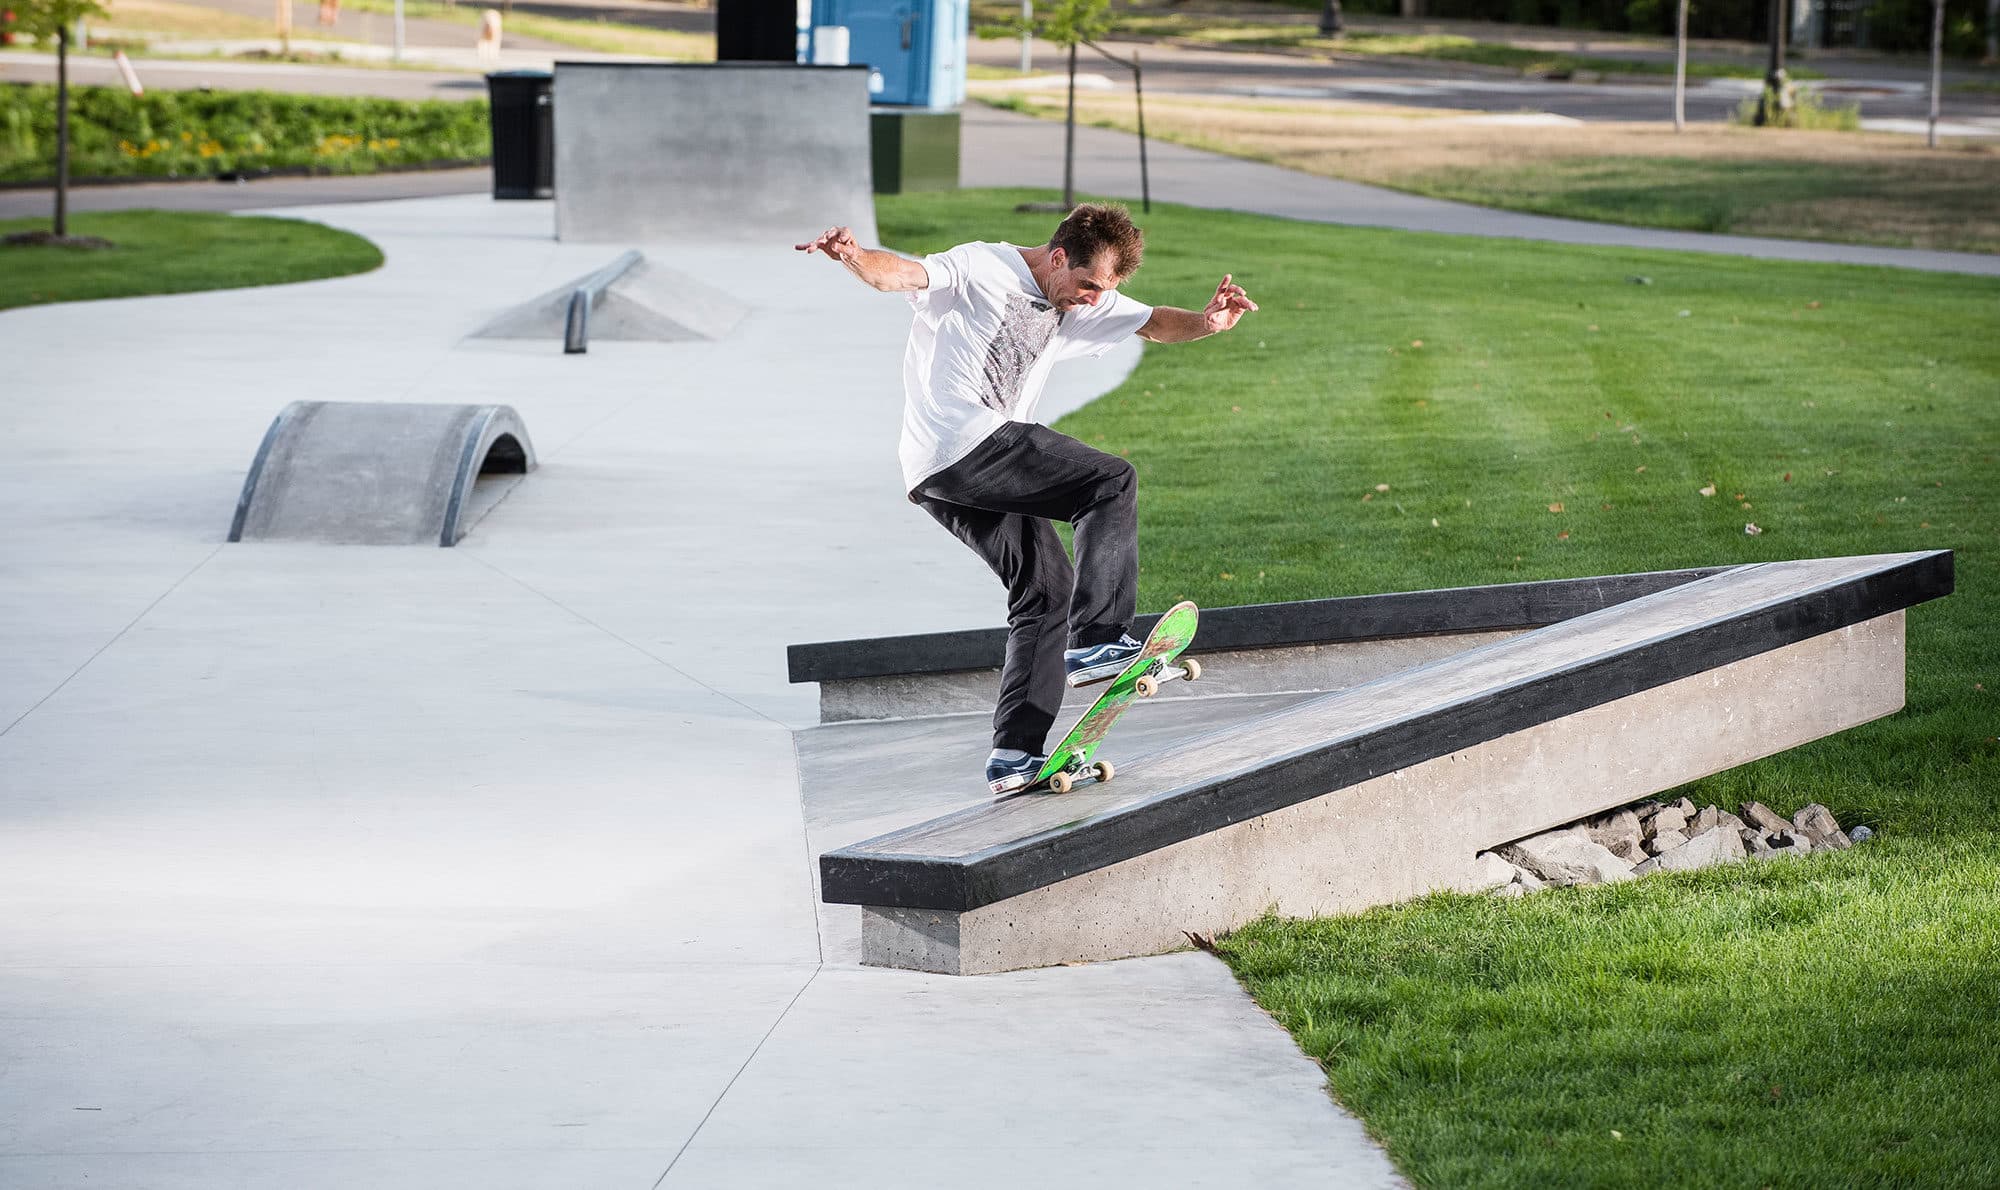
{"points": [[1139, 97], [1145, 176], [1027, 35], [1937, 64], [1681, 69], [398, 53], [62, 132]]}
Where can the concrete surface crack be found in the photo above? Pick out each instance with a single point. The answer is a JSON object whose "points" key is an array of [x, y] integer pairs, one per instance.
{"points": [[668, 1171], [114, 640], [633, 645]]}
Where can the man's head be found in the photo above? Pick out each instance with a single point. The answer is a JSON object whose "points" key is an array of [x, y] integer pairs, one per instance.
{"points": [[1091, 253]]}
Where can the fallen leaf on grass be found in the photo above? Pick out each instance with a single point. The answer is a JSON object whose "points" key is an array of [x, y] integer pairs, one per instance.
{"points": [[1556, 507], [1563, 536], [1751, 530], [1709, 490], [1381, 487], [1788, 477]]}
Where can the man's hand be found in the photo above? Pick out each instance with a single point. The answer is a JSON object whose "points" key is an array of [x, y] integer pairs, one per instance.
{"points": [[837, 242], [1170, 324], [1228, 305], [885, 271]]}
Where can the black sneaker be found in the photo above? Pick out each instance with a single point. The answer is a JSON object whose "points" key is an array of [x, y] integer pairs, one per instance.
{"points": [[1100, 663], [1006, 776]]}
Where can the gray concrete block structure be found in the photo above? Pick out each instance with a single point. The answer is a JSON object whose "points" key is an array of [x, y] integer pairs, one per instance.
{"points": [[724, 151], [1390, 789], [359, 473]]}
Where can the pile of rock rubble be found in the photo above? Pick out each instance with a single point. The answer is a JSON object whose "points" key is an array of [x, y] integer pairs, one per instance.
{"points": [[1655, 836]]}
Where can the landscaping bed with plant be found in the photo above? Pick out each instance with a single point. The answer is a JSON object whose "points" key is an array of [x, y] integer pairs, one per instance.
{"points": [[198, 134]]}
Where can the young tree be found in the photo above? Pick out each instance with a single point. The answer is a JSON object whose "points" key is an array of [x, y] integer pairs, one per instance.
{"points": [[55, 18], [1070, 23]]}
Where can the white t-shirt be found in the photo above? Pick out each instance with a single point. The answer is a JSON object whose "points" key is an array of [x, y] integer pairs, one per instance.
{"points": [[980, 350]]}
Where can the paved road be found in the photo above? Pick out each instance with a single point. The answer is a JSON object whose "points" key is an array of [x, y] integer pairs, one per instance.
{"points": [[1885, 88], [1170, 69]]}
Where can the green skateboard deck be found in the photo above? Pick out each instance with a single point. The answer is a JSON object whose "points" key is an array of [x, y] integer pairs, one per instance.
{"points": [[1070, 761]]}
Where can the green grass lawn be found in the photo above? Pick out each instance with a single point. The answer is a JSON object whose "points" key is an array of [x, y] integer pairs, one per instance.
{"points": [[1863, 188], [175, 252], [1790, 199], [1809, 1023]]}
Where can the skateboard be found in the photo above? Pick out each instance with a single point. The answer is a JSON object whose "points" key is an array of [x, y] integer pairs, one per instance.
{"points": [[1070, 761]]}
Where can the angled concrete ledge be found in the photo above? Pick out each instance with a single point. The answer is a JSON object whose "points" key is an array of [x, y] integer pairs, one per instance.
{"points": [[1388, 790], [630, 299], [355, 473], [1312, 645]]}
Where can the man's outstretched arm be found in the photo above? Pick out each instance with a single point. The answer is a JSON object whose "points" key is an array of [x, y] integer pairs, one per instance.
{"points": [[885, 271], [1170, 324]]}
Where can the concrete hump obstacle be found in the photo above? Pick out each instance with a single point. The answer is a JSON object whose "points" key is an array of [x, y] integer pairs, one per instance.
{"points": [[356, 473], [1389, 789], [659, 152], [631, 299]]}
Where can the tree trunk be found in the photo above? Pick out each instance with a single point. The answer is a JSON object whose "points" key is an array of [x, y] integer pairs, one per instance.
{"points": [[1992, 31], [1681, 68], [1069, 136], [62, 132], [1937, 66]]}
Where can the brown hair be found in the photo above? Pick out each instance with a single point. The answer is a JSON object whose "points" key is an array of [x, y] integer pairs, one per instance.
{"points": [[1094, 227]]}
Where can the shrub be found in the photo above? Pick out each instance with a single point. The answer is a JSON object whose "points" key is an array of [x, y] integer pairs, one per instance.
{"points": [[204, 134], [1808, 111]]}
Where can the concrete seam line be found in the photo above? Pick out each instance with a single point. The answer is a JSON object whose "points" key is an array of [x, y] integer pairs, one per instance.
{"points": [[639, 649], [118, 636], [812, 861], [682, 1151]]}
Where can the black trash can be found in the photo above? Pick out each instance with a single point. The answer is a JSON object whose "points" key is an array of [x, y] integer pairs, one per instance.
{"points": [[524, 134]]}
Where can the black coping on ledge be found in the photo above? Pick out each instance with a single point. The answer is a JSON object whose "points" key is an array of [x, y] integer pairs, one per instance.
{"points": [[1005, 848], [1268, 625]]}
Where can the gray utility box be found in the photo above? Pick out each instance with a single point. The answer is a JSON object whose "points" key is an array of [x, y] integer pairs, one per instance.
{"points": [[913, 149]]}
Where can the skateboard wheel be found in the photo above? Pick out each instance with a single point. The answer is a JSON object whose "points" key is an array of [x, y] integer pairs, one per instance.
{"points": [[1193, 670], [1147, 686], [1060, 783], [1104, 771]]}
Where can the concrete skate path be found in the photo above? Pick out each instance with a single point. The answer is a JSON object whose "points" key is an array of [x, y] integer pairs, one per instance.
{"points": [[1004, 149], [328, 866], [337, 866]]}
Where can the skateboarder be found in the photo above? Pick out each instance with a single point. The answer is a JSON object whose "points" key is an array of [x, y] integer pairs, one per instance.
{"points": [[991, 319]]}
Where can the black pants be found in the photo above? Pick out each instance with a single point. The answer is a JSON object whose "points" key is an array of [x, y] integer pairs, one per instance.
{"points": [[1000, 500]]}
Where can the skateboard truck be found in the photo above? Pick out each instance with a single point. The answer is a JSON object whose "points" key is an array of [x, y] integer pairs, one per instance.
{"points": [[1158, 662]]}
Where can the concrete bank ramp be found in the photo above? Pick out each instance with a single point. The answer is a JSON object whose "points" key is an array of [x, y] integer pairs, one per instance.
{"points": [[353, 473], [1390, 789], [652, 152]]}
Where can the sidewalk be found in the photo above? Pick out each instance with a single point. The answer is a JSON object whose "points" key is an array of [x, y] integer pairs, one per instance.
{"points": [[328, 867], [1003, 149]]}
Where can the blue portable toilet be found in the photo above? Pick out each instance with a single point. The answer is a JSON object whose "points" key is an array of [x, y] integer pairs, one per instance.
{"points": [[915, 49]]}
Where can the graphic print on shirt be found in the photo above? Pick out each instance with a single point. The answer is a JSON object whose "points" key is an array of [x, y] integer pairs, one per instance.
{"points": [[1026, 327]]}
